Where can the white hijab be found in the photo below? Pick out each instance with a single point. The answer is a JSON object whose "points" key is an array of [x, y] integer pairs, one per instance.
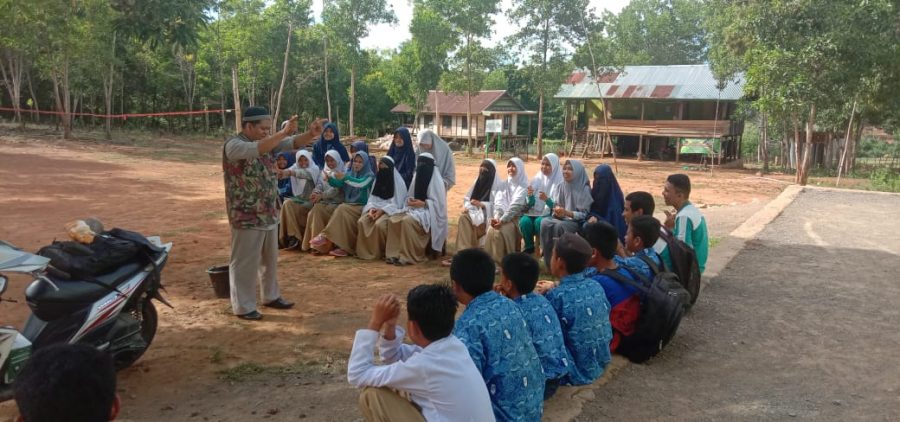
{"points": [[433, 217], [514, 190], [443, 156], [327, 172], [548, 184], [576, 195], [299, 184], [393, 205]]}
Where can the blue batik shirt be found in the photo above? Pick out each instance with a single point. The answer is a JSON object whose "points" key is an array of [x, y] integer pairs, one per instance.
{"points": [[637, 263], [493, 329], [583, 314], [546, 334]]}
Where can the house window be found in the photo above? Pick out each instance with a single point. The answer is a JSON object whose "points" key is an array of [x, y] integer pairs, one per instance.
{"points": [[507, 122], [464, 122], [447, 121], [429, 120]]}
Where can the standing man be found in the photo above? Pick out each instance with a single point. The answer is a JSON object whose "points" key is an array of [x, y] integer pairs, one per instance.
{"points": [[251, 198]]}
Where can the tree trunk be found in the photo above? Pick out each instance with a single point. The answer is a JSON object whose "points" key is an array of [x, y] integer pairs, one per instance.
{"points": [[11, 69], [108, 80], [284, 68], [471, 144], [327, 92], [352, 98], [237, 98], [796, 146], [803, 172], [35, 109], [764, 143], [540, 128]]}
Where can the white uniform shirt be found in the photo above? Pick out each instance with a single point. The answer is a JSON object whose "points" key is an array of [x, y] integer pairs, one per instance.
{"points": [[441, 378]]}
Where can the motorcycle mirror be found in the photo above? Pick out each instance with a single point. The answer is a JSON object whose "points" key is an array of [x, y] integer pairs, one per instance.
{"points": [[2, 284]]}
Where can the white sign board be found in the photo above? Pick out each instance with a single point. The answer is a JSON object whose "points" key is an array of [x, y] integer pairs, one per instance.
{"points": [[493, 126]]}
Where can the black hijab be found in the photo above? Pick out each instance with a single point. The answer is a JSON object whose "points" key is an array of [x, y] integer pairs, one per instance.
{"points": [[424, 173], [384, 180], [485, 182]]}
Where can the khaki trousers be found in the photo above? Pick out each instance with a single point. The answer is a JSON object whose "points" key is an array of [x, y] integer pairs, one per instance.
{"points": [[318, 218], [503, 241], [406, 239], [293, 221], [371, 237], [342, 229], [254, 258], [386, 405], [467, 235]]}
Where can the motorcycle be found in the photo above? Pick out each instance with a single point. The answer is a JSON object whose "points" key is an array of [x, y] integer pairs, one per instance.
{"points": [[112, 312]]}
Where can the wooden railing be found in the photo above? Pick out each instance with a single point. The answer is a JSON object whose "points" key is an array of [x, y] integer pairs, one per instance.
{"points": [[670, 128]]}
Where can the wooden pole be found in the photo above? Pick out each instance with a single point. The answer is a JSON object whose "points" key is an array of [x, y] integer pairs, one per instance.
{"points": [[846, 145], [640, 154]]}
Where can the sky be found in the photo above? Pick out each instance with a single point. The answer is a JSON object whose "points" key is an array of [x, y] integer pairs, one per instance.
{"points": [[391, 36]]}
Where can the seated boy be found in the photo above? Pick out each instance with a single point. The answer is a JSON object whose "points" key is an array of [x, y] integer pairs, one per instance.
{"points": [[687, 223], [582, 309], [67, 382], [518, 277], [493, 329], [436, 373], [624, 301], [643, 233]]}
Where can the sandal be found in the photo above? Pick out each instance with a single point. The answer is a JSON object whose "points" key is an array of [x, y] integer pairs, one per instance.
{"points": [[318, 241], [338, 252]]}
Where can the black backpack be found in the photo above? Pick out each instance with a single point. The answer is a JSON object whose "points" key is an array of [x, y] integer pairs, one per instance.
{"points": [[109, 250], [684, 263], [663, 302]]}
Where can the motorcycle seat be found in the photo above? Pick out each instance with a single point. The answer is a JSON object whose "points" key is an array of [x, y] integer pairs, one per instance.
{"points": [[49, 304]]}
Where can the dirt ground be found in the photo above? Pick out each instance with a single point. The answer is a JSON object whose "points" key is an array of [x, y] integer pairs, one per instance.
{"points": [[205, 364], [749, 351]]}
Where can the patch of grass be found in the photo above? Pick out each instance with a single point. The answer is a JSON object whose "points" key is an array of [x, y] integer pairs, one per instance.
{"points": [[713, 241], [214, 215], [243, 371], [247, 371], [216, 356]]}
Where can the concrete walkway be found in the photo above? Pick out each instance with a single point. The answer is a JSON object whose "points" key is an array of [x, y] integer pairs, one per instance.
{"points": [[803, 323]]}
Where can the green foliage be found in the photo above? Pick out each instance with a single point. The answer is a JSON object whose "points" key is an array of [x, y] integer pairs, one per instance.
{"points": [[885, 179], [649, 32], [877, 148]]}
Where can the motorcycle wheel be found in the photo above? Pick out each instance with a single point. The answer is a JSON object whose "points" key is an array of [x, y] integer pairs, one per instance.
{"points": [[148, 319]]}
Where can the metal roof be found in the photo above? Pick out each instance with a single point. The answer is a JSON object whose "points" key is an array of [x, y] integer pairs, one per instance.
{"points": [[680, 82], [495, 100]]}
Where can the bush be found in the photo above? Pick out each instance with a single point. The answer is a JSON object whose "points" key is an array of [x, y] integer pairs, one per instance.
{"points": [[885, 179]]}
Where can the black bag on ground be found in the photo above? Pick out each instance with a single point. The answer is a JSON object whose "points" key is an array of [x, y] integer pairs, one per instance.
{"points": [[75, 261], [663, 302], [684, 263]]}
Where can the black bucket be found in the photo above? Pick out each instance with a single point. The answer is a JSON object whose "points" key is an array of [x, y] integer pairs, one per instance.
{"points": [[218, 275]]}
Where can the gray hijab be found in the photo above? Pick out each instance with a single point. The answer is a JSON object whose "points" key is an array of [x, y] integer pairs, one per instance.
{"points": [[443, 156], [576, 196]]}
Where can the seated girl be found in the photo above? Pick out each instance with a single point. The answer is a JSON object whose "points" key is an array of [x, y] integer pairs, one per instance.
{"points": [[388, 198], [609, 203], [338, 238], [509, 202], [283, 161], [477, 209], [303, 176], [325, 199], [431, 143], [423, 221], [543, 188], [358, 146], [571, 207]]}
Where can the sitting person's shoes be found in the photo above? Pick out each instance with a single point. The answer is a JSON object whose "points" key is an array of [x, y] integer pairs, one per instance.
{"points": [[292, 243], [391, 261], [279, 303], [338, 252], [251, 316]]}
